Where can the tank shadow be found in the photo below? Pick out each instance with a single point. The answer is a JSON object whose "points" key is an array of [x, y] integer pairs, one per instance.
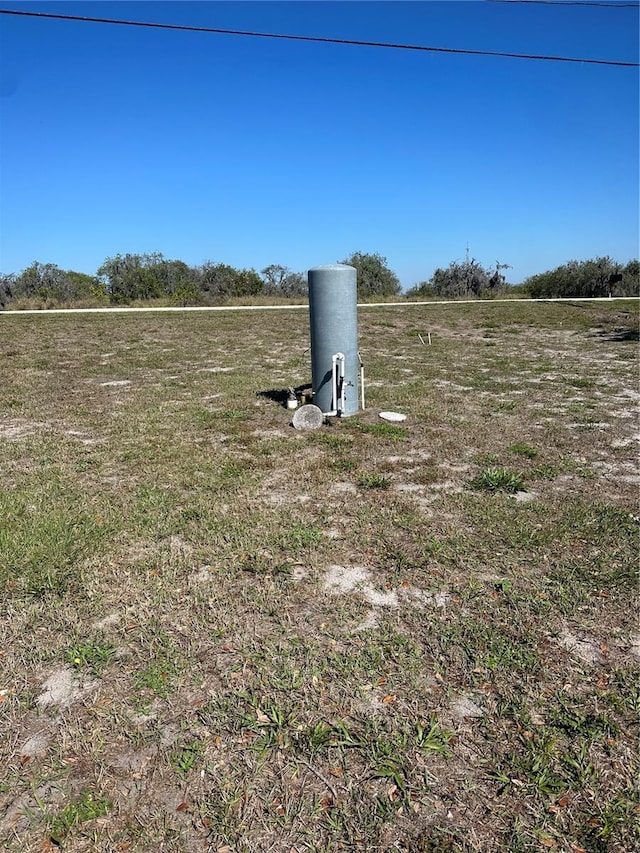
{"points": [[621, 335], [279, 395]]}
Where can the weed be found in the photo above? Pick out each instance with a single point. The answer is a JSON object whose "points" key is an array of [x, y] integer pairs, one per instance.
{"points": [[344, 465], [497, 480], [229, 415], [535, 766], [433, 738], [580, 382], [221, 810], [504, 655], [437, 839], [272, 725], [574, 720], [622, 692], [578, 769], [264, 563], [523, 450], [543, 472], [184, 759], [156, 677], [301, 537], [612, 817], [390, 768], [92, 654], [373, 481], [498, 648], [88, 807], [487, 460], [320, 737], [334, 442]]}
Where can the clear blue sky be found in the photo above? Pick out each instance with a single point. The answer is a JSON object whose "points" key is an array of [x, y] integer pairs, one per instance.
{"points": [[254, 151]]}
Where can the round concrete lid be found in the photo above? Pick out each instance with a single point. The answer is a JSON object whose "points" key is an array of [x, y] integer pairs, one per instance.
{"points": [[308, 417], [392, 416]]}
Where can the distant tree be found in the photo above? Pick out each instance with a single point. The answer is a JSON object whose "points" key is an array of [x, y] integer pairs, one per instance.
{"points": [[7, 283], [40, 281], [217, 281], [83, 286], [462, 279], [421, 290], [220, 282], [295, 285], [582, 279], [498, 280], [147, 276], [180, 283], [630, 284], [273, 276], [174, 275], [50, 284], [281, 281], [146, 279], [374, 276], [122, 275], [248, 283]]}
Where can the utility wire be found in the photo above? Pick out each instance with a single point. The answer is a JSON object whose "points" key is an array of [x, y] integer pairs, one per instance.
{"points": [[569, 3], [360, 43]]}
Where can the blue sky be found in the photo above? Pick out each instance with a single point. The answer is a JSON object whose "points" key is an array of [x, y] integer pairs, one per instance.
{"points": [[254, 151]]}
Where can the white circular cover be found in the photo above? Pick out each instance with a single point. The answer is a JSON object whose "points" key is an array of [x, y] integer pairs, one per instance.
{"points": [[393, 416]]}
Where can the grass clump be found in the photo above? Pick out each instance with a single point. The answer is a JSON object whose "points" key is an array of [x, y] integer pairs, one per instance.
{"points": [[521, 449], [89, 807], [185, 758], [44, 541], [91, 654], [497, 480], [373, 481], [299, 537], [390, 432]]}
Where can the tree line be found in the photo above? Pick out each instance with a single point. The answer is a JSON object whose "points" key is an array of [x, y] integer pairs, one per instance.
{"points": [[592, 278], [124, 279], [133, 278]]}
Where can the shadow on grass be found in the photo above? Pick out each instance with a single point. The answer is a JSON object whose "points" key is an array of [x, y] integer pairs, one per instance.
{"points": [[279, 395], [621, 335]]}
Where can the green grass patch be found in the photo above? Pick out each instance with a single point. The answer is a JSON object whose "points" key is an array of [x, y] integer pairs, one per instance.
{"points": [[525, 450], [47, 533], [373, 481], [497, 480], [91, 654], [88, 808], [389, 432]]}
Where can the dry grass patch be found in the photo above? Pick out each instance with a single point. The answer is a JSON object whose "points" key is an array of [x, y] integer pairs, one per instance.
{"points": [[219, 633]]}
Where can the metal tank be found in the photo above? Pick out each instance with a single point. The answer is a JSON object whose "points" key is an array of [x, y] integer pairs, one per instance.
{"points": [[333, 321]]}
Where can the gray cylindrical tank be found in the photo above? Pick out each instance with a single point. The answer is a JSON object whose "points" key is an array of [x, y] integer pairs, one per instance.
{"points": [[333, 320]]}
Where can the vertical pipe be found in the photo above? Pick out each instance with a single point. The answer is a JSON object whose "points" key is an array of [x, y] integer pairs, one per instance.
{"points": [[333, 323]]}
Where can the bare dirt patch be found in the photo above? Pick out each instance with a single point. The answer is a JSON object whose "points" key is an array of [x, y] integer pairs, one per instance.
{"points": [[14, 429], [61, 689]]}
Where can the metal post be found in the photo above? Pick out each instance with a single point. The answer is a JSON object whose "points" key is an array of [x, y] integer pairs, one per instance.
{"points": [[333, 321]]}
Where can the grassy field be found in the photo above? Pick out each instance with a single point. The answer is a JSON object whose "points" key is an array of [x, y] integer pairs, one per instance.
{"points": [[222, 634]]}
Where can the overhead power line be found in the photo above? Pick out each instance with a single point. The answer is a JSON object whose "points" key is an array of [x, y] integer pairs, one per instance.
{"points": [[357, 42], [569, 3]]}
